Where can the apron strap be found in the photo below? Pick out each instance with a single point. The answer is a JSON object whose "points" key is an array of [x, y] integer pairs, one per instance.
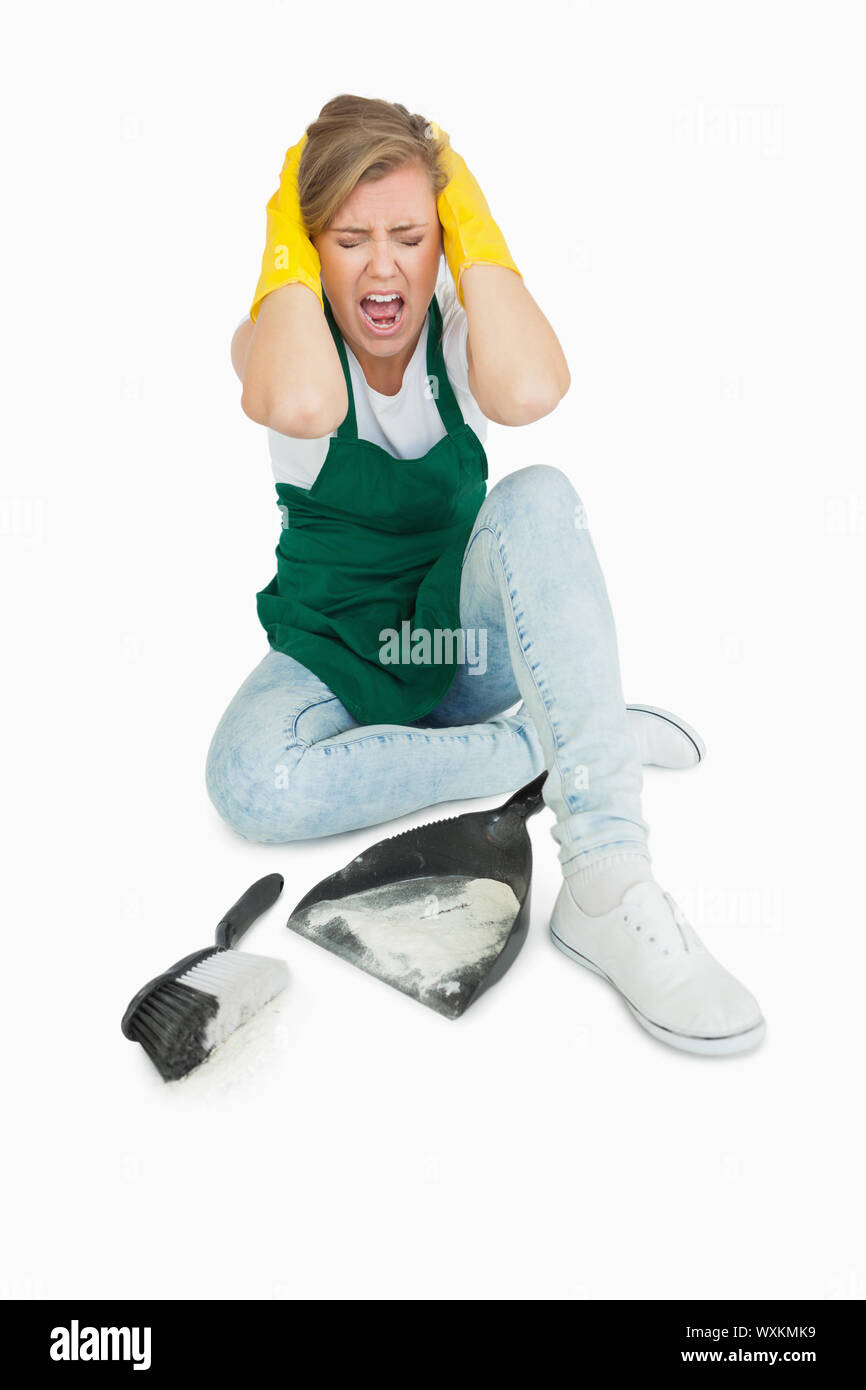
{"points": [[349, 427], [446, 401]]}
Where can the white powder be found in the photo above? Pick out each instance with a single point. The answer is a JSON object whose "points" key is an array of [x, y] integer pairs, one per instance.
{"points": [[430, 929]]}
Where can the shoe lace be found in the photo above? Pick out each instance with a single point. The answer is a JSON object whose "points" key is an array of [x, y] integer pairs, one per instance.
{"points": [[678, 916]]}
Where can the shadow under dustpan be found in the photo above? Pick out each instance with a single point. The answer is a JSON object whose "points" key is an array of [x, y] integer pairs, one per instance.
{"points": [[439, 912]]}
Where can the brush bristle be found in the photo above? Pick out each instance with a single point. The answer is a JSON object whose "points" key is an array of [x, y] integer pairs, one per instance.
{"points": [[181, 1021]]}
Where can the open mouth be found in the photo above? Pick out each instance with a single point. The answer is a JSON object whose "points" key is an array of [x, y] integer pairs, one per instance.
{"points": [[382, 313]]}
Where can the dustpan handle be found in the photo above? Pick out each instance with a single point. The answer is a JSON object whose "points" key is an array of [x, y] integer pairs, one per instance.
{"points": [[528, 798]]}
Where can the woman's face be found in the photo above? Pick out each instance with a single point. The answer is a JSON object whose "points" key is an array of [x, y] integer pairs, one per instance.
{"points": [[385, 238]]}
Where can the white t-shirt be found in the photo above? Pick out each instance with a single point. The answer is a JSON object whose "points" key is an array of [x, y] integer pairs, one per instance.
{"points": [[408, 424]]}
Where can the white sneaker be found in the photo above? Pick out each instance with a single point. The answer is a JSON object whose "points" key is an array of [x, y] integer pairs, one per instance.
{"points": [[649, 951], [663, 739]]}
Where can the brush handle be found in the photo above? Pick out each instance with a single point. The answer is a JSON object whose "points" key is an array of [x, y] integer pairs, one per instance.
{"points": [[256, 900]]}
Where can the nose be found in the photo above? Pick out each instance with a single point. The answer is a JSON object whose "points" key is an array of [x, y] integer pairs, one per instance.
{"points": [[382, 261]]}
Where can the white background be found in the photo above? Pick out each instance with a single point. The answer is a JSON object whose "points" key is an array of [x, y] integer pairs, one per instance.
{"points": [[681, 185]]}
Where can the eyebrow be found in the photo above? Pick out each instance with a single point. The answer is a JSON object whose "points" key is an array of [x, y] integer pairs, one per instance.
{"points": [[400, 227]]}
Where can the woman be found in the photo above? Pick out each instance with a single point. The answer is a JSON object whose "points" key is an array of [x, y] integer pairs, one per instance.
{"points": [[411, 609]]}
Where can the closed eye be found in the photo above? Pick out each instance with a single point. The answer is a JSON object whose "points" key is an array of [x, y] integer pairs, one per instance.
{"points": [[349, 244]]}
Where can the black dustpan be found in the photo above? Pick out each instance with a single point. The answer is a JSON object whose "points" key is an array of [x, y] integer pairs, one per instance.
{"points": [[440, 911]]}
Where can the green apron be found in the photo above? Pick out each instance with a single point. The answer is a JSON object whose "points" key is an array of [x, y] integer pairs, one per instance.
{"points": [[374, 548]]}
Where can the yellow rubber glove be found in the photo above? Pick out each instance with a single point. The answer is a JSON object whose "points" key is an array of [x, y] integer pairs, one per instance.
{"points": [[289, 255], [469, 234]]}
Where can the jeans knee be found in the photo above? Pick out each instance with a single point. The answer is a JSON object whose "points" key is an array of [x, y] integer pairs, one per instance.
{"points": [[251, 786], [521, 487]]}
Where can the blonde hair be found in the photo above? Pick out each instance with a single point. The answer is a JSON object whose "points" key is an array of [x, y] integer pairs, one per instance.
{"points": [[357, 140]]}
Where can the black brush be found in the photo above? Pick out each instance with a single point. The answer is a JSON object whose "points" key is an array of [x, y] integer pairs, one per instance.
{"points": [[180, 1016]]}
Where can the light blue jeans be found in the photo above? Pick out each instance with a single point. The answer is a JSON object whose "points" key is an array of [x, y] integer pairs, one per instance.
{"points": [[288, 762]]}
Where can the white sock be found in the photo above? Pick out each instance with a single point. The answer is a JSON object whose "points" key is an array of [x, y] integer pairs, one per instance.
{"points": [[599, 887]]}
